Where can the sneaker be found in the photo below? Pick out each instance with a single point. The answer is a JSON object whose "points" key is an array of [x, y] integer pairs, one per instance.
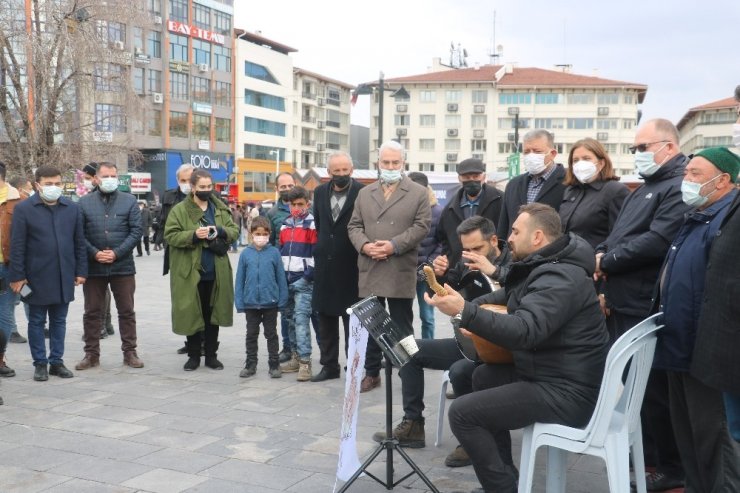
{"points": [[292, 365], [304, 370], [40, 373], [5, 370], [17, 338], [285, 355], [409, 433], [60, 371], [458, 458], [275, 372], [658, 481], [248, 371]]}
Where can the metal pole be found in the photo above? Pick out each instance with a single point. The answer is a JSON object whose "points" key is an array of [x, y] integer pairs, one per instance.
{"points": [[277, 172], [381, 89]]}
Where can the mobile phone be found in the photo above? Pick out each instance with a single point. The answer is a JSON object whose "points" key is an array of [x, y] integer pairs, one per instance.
{"points": [[212, 232], [26, 291]]}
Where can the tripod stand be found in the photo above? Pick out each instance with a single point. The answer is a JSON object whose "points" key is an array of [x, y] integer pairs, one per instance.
{"points": [[389, 445]]}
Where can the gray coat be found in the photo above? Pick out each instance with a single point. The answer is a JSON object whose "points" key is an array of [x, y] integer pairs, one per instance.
{"points": [[404, 219]]}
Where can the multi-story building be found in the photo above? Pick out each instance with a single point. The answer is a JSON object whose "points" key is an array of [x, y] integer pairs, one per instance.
{"points": [[447, 115], [708, 125]]}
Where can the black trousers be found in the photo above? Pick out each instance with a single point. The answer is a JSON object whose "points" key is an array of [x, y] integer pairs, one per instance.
{"points": [[145, 239], [268, 318], [208, 337], [436, 354], [401, 311], [328, 340]]}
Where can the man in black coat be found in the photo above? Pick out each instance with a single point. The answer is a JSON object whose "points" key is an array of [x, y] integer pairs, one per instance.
{"points": [[474, 198], [542, 182], [335, 260], [556, 333]]}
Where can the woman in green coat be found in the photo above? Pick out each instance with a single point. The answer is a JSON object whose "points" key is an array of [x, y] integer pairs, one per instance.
{"points": [[198, 231]]}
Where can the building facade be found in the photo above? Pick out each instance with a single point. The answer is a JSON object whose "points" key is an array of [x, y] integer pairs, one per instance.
{"points": [[708, 125], [447, 115]]}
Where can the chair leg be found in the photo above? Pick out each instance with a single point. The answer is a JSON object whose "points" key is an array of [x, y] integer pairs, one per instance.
{"points": [[441, 409], [617, 456], [638, 459], [555, 470], [526, 461]]}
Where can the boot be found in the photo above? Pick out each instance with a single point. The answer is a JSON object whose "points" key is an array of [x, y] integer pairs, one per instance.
{"points": [[285, 355], [89, 361], [5, 370], [250, 368], [212, 361], [409, 433], [304, 370], [193, 350], [291, 365]]}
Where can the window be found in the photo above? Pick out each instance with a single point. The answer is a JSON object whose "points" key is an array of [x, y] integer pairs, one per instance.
{"points": [[547, 123], [452, 144], [426, 120], [629, 99], [453, 96], [110, 118], [478, 145], [626, 148], [179, 86], [402, 120], [333, 95], [717, 141], [223, 130], [112, 31], [480, 96], [155, 7], [154, 44], [426, 166], [427, 96], [580, 98], [259, 182], [508, 123], [154, 123], [201, 16], [514, 98], [222, 60], [254, 151], [178, 124], [264, 100], [201, 90], [426, 144], [264, 126], [138, 39], [154, 81], [138, 80], [610, 148], [506, 148], [718, 117], [221, 23], [178, 48], [333, 119], [580, 123], [478, 121], [453, 121], [201, 52], [546, 98], [108, 77], [627, 123], [222, 93], [608, 98], [201, 127], [179, 11], [333, 140], [607, 123]]}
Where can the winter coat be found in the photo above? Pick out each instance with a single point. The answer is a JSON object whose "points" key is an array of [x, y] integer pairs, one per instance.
{"points": [[635, 248], [335, 259], [185, 267], [715, 361], [430, 246], [260, 280], [489, 206], [591, 209], [403, 219], [48, 249], [111, 221], [170, 199], [6, 220], [515, 196], [146, 221], [297, 241], [682, 287], [277, 214], [554, 326]]}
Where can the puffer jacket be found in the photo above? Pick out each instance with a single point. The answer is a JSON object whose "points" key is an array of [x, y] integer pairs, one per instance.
{"points": [[554, 326], [111, 221], [430, 247], [260, 279]]}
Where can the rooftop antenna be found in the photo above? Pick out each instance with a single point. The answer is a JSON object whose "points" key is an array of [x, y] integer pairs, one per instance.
{"points": [[495, 52], [458, 56]]}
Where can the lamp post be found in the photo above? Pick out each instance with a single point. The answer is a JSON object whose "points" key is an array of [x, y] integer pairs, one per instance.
{"points": [[276, 153], [513, 159]]}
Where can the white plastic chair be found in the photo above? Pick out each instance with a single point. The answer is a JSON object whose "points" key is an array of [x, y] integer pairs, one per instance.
{"points": [[614, 430], [441, 410]]}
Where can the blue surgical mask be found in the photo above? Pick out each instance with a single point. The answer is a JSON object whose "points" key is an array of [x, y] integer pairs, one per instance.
{"points": [[108, 185], [390, 176], [645, 163], [51, 193], [691, 192]]}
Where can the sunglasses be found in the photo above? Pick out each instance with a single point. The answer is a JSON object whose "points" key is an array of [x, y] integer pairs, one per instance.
{"points": [[644, 147]]}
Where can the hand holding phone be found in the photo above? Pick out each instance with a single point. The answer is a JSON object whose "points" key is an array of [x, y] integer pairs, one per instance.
{"points": [[25, 291]]}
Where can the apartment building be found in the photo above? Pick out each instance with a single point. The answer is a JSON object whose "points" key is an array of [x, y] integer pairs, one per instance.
{"points": [[447, 115], [708, 125]]}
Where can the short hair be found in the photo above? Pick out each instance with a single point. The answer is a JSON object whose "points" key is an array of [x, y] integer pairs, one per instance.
{"points": [[392, 145], [183, 167], [598, 150], [46, 171], [297, 193], [260, 222], [334, 154], [545, 218], [538, 134], [419, 177], [107, 164], [198, 174], [18, 181], [3, 170], [666, 129], [477, 223], [284, 173]]}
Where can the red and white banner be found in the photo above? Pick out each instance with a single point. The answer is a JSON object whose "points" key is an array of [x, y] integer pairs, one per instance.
{"points": [[195, 32]]}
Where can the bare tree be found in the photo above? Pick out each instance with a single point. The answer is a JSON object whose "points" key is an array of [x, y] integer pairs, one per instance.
{"points": [[66, 91]]}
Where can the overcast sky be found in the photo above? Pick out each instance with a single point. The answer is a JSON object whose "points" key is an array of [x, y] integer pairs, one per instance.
{"points": [[687, 52]]}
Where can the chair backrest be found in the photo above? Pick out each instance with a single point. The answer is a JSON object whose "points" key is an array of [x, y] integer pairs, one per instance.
{"points": [[636, 347]]}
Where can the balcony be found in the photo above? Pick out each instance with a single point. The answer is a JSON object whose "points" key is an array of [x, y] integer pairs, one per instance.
{"points": [[308, 95], [308, 119], [308, 142]]}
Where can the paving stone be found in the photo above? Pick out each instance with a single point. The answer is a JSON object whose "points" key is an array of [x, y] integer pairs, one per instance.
{"points": [[164, 481], [21, 480], [180, 460], [248, 472], [101, 470], [77, 485], [99, 427], [174, 439], [38, 458]]}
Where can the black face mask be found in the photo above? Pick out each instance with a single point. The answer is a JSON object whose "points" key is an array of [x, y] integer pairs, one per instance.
{"points": [[284, 195], [203, 195], [341, 181], [472, 188]]}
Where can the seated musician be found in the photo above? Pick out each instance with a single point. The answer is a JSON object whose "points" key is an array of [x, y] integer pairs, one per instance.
{"points": [[557, 335], [482, 253]]}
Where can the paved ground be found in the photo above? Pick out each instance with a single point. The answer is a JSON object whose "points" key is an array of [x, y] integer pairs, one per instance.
{"points": [[160, 429]]}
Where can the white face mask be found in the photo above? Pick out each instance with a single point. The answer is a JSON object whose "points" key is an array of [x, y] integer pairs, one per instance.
{"points": [[645, 162], [390, 176], [260, 241], [736, 134], [584, 171], [691, 192], [51, 193], [534, 163], [109, 184], [185, 188], [88, 184]]}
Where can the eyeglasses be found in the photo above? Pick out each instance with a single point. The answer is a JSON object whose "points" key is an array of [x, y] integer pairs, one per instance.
{"points": [[644, 147]]}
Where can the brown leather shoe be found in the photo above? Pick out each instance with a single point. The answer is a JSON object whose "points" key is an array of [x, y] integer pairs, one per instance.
{"points": [[89, 361], [132, 360], [369, 383]]}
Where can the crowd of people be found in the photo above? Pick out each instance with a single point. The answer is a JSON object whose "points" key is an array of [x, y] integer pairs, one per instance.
{"points": [[575, 257]]}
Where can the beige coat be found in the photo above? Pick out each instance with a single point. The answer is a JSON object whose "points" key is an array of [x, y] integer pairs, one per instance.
{"points": [[404, 219]]}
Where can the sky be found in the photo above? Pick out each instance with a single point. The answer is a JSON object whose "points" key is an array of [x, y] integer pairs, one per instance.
{"points": [[686, 52]]}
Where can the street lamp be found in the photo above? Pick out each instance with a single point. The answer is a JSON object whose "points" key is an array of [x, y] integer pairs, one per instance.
{"points": [[276, 153], [514, 158]]}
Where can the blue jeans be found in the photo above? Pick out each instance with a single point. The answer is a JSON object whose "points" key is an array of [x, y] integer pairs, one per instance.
{"points": [[732, 409], [426, 312], [298, 314], [57, 330], [8, 300]]}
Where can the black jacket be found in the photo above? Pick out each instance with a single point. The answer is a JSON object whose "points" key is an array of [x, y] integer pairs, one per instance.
{"points": [[515, 196], [635, 248], [170, 199], [590, 210], [452, 215], [555, 328], [335, 259]]}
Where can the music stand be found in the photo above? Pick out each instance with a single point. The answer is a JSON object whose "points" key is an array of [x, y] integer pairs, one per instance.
{"points": [[392, 341]]}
